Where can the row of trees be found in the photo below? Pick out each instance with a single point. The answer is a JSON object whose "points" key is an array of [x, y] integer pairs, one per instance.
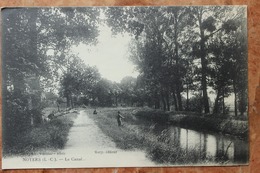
{"points": [[180, 50], [188, 49], [177, 50]]}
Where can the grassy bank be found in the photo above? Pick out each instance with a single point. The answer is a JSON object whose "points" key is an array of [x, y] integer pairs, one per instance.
{"points": [[210, 123], [49, 135], [136, 134]]}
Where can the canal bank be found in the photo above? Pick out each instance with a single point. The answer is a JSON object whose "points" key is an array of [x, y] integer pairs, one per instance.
{"points": [[227, 126], [168, 144], [196, 121]]}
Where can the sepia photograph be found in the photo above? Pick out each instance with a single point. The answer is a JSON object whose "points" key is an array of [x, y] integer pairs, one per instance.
{"points": [[98, 87]]}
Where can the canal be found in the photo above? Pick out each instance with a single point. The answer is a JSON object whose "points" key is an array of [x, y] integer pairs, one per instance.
{"points": [[221, 148]]}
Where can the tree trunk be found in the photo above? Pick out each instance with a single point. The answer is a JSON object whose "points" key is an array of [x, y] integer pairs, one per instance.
{"points": [[242, 103], [116, 100], [157, 101], [203, 66], [235, 97], [176, 52], [164, 99], [187, 99], [223, 101], [180, 108], [216, 104], [204, 82], [164, 102], [168, 101], [175, 101]]}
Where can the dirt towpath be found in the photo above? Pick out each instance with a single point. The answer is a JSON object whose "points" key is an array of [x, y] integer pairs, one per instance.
{"points": [[85, 135], [87, 142]]}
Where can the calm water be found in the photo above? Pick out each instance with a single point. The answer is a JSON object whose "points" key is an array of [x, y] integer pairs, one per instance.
{"points": [[208, 145]]}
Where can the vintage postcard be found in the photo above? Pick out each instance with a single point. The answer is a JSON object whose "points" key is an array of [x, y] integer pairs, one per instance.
{"points": [[124, 86]]}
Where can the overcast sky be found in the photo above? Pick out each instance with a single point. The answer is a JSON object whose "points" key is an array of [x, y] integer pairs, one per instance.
{"points": [[110, 55]]}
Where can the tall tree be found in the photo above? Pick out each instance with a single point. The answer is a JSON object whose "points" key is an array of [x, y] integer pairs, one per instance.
{"points": [[210, 21]]}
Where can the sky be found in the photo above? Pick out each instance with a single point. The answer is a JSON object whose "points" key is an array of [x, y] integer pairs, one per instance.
{"points": [[110, 55]]}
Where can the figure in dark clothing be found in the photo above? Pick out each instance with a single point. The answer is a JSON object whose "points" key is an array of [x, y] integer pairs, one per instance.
{"points": [[95, 111], [119, 118]]}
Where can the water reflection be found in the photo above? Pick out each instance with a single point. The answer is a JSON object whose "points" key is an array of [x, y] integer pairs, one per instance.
{"points": [[216, 146]]}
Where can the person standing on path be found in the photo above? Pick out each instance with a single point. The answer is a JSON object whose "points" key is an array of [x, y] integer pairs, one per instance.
{"points": [[119, 118]]}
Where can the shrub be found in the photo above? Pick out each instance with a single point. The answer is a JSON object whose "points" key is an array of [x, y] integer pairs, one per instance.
{"points": [[157, 116], [45, 136]]}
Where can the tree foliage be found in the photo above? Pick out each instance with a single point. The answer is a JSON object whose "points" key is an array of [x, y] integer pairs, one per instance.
{"points": [[28, 36], [189, 48]]}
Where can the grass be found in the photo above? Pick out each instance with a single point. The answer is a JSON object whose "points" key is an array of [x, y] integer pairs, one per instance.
{"points": [[210, 123], [50, 135], [136, 134]]}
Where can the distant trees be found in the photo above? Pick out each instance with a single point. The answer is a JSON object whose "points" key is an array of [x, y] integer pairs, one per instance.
{"points": [[78, 80], [105, 93], [127, 94]]}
